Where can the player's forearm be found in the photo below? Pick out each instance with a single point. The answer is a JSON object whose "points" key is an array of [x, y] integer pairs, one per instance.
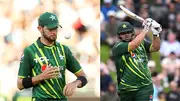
{"points": [[81, 80], [19, 84], [155, 44], [137, 41], [35, 80]]}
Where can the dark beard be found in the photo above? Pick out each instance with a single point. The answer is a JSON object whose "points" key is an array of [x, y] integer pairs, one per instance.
{"points": [[48, 38]]}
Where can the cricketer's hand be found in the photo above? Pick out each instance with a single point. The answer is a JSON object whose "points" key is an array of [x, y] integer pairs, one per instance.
{"points": [[147, 24], [156, 28], [70, 88]]}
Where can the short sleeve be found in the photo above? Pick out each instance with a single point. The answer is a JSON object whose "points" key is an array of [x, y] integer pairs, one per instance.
{"points": [[120, 48], [25, 65], [147, 46], [71, 62]]}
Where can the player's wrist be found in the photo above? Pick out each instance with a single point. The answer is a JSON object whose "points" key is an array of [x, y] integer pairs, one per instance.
{"points": [[156, 35], [37, 79], [77, 83], [40, 77], [145, 31], [27, 82], [83, 81]]}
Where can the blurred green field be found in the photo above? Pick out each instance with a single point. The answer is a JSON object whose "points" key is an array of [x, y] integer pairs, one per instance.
{"points": [[105, 53]]}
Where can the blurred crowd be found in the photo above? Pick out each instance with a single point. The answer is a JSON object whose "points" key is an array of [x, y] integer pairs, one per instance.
{"points": [[166, 80], [18, 23]]}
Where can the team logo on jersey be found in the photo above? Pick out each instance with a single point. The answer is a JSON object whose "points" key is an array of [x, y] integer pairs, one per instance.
{"points": [[61, 68], [150, 98], [43, 67], [61, 57], [133, 55], [140, 48]]}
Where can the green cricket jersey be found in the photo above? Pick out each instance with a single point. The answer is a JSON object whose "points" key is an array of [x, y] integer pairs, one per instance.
{"points": [[132, 71], [34, 61]]}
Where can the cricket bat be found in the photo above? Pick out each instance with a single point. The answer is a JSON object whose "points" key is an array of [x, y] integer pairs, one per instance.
{"points": [[131, 14]]}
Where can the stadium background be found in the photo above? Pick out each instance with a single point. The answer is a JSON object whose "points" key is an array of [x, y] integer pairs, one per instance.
{"points": [[164, 65], [18, 23]]}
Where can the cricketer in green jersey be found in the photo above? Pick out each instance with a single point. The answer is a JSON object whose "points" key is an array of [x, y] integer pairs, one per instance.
{"points": [[44, 62], [130, 57]]}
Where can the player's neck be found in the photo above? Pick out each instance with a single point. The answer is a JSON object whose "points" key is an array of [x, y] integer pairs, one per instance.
{"points": [[46, 42]]}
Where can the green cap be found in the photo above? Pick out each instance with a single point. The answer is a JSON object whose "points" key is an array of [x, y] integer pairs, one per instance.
{"points": [[124, 27], [49, 20]]}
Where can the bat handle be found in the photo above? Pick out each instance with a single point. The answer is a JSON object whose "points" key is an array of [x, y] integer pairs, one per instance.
{"points": [[141, 19]]}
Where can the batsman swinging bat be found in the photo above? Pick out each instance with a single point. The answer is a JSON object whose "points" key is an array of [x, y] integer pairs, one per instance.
{"points": [[131, 14]]}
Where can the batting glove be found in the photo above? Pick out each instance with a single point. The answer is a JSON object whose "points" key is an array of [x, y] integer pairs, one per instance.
{"points": [[156, 28], [147, 24], [147, 20]]}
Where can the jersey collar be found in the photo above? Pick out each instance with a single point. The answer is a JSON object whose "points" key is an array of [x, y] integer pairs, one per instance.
{"points": [[41, 45]]}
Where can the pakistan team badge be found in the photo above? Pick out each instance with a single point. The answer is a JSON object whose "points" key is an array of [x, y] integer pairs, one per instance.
{"points": [[52, 17], [124, 26]]}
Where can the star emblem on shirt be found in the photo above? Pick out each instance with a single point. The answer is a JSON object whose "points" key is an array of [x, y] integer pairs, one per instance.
{"points": [[52, 17], [61, 57], [124, 26], [140, 48]]}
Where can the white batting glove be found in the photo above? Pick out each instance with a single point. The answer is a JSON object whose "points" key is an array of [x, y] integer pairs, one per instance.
{"points": [[147, 20], [147, 24], [156, 28]]}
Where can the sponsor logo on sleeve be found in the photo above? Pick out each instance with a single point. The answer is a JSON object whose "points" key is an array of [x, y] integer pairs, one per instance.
{"points": [[133, 55], [150, 98]]}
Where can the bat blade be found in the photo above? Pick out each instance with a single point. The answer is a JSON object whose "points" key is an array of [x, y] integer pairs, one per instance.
{"points": [[131, 14]]}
